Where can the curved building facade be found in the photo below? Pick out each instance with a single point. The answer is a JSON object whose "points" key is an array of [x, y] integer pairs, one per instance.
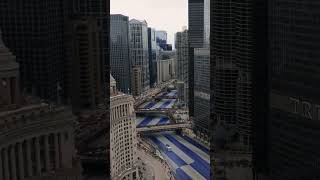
{"points": [[36, 139], [233, 56], [36, 142], [123, 136]]}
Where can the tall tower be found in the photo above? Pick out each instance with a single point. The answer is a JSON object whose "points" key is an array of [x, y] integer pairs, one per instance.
{"points": [[233, 55], [196, 25], [86, 90], [152, 49], [182, 49], [294, 118], [119, 51], [138, 35]]}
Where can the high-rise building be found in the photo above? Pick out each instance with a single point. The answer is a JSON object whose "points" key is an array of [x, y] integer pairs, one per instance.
{"points": [[152, 49], [196, 34], [123, 135], [138, 35], [238, 42], [100, 10], [86, 92], [165, 70], [293, 126], [35, 37], [202, 92], [36, 138], [233, 52], [182, 55], [201, 67], [119, 51], [161, 38]]}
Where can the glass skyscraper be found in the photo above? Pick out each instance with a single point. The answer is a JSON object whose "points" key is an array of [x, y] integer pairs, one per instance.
{"points": [[196, 21], [119, 51]]}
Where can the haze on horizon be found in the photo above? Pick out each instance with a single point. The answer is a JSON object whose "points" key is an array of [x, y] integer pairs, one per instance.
{"points": [[168, 15]]}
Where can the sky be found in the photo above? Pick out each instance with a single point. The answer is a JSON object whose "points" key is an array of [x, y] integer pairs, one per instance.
{"points": [[168, 15]]}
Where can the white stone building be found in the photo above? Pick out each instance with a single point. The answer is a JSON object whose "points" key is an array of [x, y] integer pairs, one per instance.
{"points": [[123, 135]]}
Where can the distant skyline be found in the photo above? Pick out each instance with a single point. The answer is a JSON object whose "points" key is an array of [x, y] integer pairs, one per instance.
{"points": [[168, 15]]}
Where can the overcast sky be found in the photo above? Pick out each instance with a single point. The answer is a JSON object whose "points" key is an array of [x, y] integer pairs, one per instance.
{"points": [[168, 15]]}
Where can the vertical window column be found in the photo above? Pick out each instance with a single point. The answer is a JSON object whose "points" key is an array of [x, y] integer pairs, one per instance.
{"points": [[38, 160], [21, 162], [1, 161], [13, 163], [46, 151], [57, 151], [29, 162], [6, 164]]}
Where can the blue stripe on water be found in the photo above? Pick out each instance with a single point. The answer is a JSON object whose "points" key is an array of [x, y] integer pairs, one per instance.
{"points": [[193, 142], [145, 122], [181, 175], [199, 164], [165, 104], [163, 120], [149, 105], [173, 156]]}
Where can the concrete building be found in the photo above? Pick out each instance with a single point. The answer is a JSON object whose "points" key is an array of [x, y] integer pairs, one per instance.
{"points": [[136, 81], [182, 56], [119, 52], [165, 70], [123, 135], [36, 140], [138, 35], [99, 9], [86, 91], [202, 92]]}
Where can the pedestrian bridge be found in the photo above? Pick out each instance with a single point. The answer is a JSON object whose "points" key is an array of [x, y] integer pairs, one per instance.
{"points": [[166, 127], [158, 110]]}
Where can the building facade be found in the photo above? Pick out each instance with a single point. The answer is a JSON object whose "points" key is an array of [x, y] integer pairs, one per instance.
{"points": [[123, 136], [182, 56], [138, 35], [119, 51], [86, 91], [37, 43], [234, 50], [165, 70], [152, 49], [195, 38], [36, 140], [201, 92], [294, 98], [100, 10], [137, 87]]}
